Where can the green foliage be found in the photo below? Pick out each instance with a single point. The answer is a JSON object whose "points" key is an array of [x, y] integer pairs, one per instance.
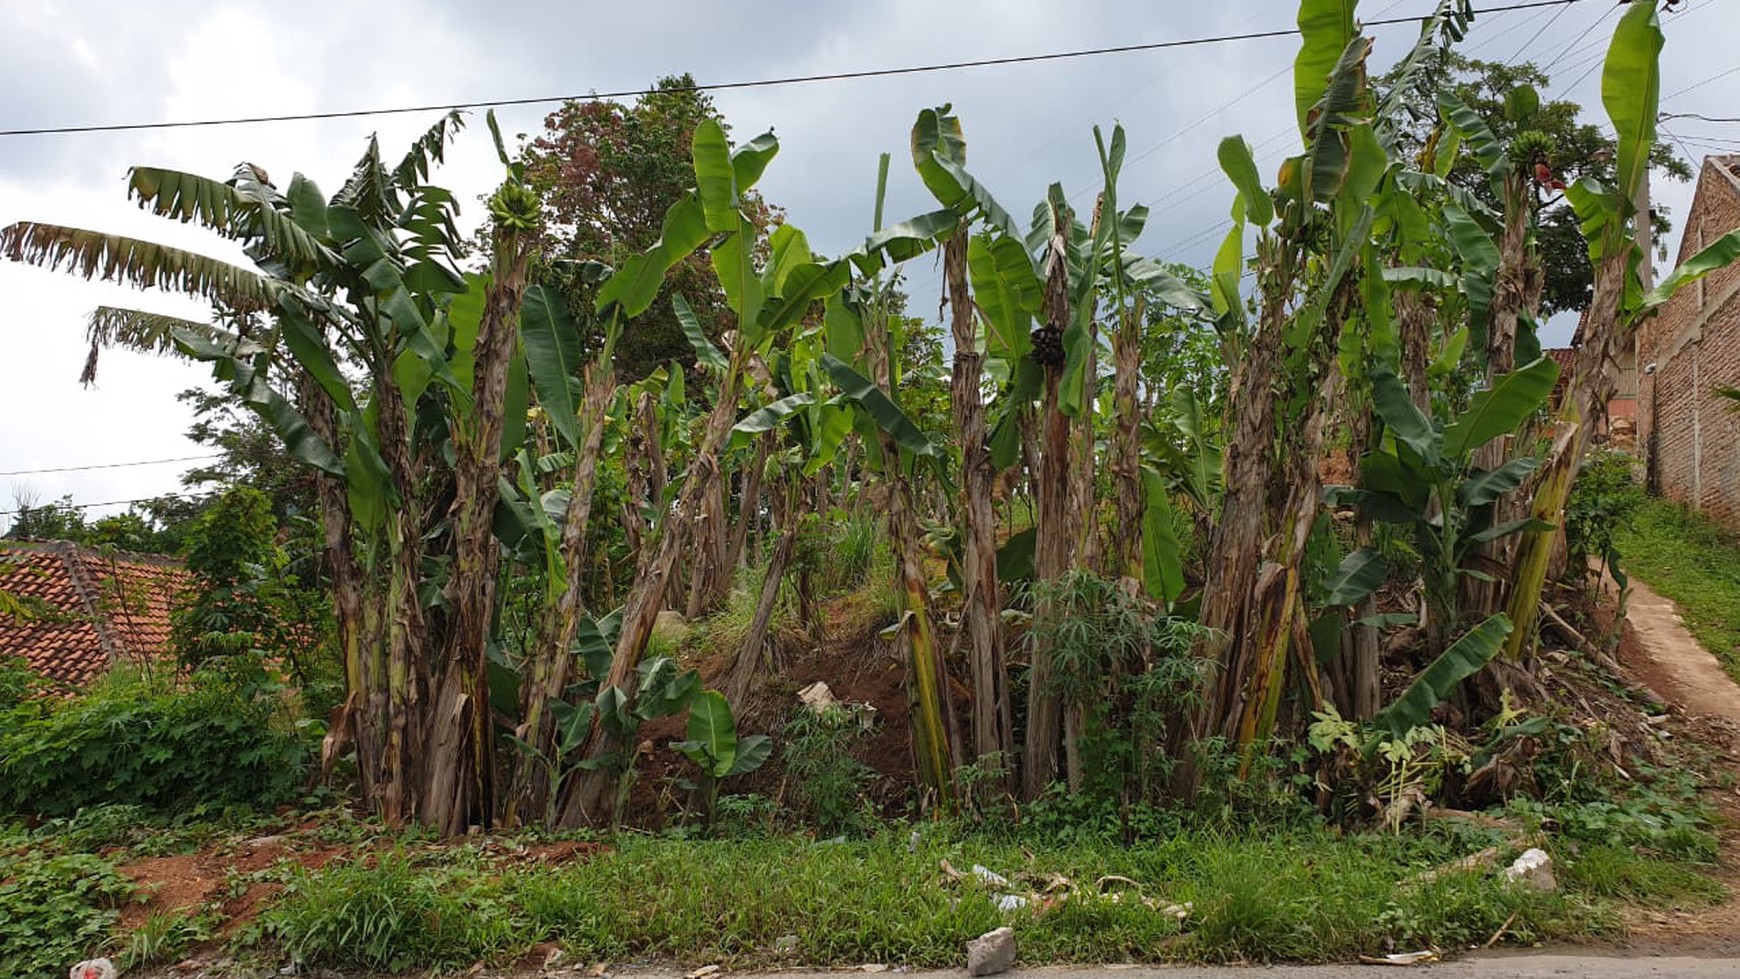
{"points": [[217, 740], [1465, 657], [607, 173], [162, 937], [55, 911], [1422, 478], [390, 916], [146, 528], [233, 555], [828, 784], [1129, 668], [1303, 895], [18, 682], [1603, 501], [715, 747], [1575, 149]]}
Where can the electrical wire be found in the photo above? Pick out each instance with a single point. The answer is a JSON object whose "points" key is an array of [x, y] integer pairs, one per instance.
{"points": [[87, 506], [107, 465], [731, 86]]}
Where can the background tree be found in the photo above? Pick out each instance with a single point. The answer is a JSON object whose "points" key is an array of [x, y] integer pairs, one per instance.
{"points": [[607, 173], [1578, 149]]}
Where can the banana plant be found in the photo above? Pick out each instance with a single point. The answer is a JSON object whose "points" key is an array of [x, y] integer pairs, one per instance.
{"points": [[766, 302], [1312, 246], [1423, 477], [715, 747], [1630, 93], [431, 393], [939, 152]]}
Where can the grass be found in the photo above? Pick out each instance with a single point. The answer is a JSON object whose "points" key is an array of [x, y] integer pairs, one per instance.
{"points": [[1690, 559], [1304, 895], [1264, 888]]}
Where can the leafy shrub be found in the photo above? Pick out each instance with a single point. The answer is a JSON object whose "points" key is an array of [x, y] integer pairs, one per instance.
{"points": [[219, 739], [54, 911], [18, 682], [1129, 668], [1603, 501], [828, 784]]}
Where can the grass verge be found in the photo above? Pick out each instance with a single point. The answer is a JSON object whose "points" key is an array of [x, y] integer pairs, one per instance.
{"points": [[1690, 559], [1305, 895]]}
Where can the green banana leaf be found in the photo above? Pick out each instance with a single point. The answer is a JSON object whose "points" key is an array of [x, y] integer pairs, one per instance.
{"points": [[1631, 93], [1405, 420], [1465, 657], [1162, 555], [1241, 169], [1325, 29], [1358, 575], [861, 391], [712, 734], [552, 346], [715, 179], [1498, 410], [1717, 254]]}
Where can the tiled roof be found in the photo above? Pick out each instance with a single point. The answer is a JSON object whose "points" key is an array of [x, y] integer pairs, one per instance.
{"points": [[1566, 357], [85, 609]]}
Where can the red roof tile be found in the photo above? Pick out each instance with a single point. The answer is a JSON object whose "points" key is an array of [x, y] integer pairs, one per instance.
{"points": [[85, 609]]}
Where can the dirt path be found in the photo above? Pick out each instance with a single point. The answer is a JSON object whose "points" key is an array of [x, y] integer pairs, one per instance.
{"points": [[1660, 654], [1672, 663]]}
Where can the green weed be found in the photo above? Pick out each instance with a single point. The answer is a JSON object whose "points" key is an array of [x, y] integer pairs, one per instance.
{"points": [[391, 916], [55, 911]]}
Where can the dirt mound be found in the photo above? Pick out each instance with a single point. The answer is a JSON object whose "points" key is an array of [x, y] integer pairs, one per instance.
{"points": [[225, 875]]}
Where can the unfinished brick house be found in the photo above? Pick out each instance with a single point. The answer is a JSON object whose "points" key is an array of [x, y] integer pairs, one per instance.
{"points": [[79, 611], [1690, 435]]}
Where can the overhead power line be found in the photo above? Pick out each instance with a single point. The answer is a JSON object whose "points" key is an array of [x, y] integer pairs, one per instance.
{"points": [[1699, 116], [108, 465], [86, 506], [731, 86]]}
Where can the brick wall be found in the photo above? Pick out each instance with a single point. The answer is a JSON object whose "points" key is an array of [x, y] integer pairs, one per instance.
{"points": [[1691, 435]]}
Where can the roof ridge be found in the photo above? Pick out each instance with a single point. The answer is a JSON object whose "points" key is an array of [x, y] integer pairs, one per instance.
{"points": [[99, 553], [71, 556]]}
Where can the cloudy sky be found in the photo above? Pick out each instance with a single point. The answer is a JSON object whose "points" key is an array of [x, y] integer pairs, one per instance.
{"points": [[99, 62]]}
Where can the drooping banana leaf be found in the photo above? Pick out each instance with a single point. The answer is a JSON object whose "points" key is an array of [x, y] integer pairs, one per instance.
{"points": [[1465, 657]]}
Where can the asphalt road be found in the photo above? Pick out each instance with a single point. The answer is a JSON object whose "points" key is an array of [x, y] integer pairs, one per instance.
{"points": [[1508, 966]]}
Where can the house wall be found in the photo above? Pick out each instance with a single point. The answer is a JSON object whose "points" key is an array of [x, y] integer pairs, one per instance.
{"points": [[1690, 435]]}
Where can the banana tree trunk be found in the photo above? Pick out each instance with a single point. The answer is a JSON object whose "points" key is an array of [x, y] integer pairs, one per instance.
{"points": [[1518, 286], [1235, 548], [1278, 600], [355, 723], [933, 739], [751, 655], [595, 794], [1414, 318], [1054, 547], [1586, 397], [1127, 446], [981, 601], [552, 656], [460, 787], [748, 510], [401, 655]]}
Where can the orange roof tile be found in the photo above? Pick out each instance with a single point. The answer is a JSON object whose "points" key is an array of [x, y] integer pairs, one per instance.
{"points": [[86, 609]]}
